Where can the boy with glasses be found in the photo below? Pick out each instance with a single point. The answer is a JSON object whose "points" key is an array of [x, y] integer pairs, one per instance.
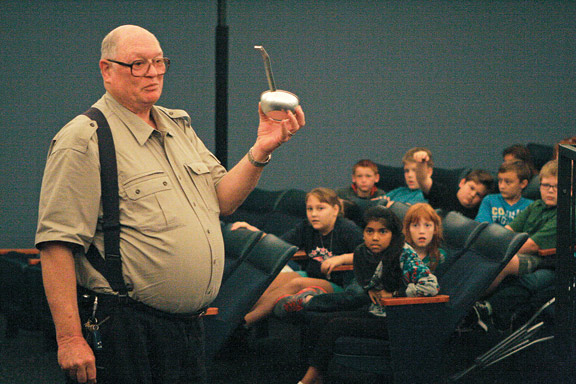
{"points": [[539, 221], [535, 275]]}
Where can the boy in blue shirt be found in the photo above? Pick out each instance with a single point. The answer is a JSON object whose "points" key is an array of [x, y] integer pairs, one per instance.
{"points": [[501, 208], [411, 193]]}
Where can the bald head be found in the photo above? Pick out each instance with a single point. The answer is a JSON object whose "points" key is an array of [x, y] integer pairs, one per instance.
{"points": [[119, 36]]}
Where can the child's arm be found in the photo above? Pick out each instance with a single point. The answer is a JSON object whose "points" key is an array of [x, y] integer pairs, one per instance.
{"points": [[329, 264], [529, 246], [423, 174], [243, 224], [420, 281]]}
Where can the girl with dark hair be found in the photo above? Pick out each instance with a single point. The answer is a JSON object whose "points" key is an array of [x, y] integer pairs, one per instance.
{"points": [[385, 266]]}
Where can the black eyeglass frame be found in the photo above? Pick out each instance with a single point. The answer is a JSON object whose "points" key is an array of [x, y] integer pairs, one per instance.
{"points": [[150, 63]]}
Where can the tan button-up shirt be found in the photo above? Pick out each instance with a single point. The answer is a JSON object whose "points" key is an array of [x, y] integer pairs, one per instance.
{"points": [[170, 239]]}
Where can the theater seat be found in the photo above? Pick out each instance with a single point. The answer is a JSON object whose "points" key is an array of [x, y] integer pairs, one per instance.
{"points": [[244, 287], [423, 330]]}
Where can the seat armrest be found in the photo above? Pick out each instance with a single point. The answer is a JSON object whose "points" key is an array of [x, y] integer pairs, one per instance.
{"points": [[27, 251], [344, 267], [299, 255], [547, 252], [211, 311], [415, 300]]}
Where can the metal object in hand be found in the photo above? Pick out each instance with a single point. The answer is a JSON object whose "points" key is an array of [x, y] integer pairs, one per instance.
{"points": [[275, 103]]}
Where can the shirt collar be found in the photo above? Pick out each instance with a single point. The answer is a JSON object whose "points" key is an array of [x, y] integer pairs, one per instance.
{"points": [[135, 124]]}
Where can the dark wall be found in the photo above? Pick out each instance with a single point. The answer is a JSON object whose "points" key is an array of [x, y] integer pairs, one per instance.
{"points": [[375, 78]]}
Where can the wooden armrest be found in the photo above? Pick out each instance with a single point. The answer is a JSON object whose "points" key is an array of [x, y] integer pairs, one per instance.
{"points": [[344, 267], [547, 252], [550, 251], [415, 300], [299, 255], [211, 311], [27, 251], [33, 261]]}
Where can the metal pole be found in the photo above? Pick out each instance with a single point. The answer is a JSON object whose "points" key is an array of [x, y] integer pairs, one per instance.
{"points": [[221, 110]]}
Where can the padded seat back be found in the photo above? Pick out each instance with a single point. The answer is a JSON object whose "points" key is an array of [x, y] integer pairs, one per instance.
{"points": [[244, 287], [237, 245], [399, 209]]}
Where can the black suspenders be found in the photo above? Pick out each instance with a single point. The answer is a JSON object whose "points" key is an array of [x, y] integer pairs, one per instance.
{"points": [[111, 267]]}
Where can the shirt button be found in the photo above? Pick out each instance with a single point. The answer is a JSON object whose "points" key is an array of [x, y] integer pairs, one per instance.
{"points": [[137, 191], [165, 183], [208, 230]]}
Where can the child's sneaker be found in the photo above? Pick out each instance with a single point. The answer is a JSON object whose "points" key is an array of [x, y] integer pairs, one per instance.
{"points": [[294, 303]]}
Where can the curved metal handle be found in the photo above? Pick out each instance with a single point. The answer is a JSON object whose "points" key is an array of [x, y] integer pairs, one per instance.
{"points": [[267, 67]]}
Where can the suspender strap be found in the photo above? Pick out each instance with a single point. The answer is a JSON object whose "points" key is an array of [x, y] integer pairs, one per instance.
{"points": [[111, 267]]}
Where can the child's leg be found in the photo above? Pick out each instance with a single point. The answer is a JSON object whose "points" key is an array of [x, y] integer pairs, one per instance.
{"points": [[511, 268], [287, 283], [259, 311], [312, 376]]}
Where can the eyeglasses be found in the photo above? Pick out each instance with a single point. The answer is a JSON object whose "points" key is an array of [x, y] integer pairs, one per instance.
{"points": [[549, 186], [139, 68]]}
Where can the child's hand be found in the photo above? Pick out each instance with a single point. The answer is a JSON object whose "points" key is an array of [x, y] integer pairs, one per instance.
{"points": [[383, 197], [328, 265], [243, 224], [376, 296], [421, 157]]}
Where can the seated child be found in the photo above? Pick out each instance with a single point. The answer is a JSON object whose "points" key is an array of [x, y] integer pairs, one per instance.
{"points": [[539, 221], [519, 152], [411, 193], [423, 231], [362, 193], [385, 266], [328, 239], [471, 189], [364, 178], [501, 208]]}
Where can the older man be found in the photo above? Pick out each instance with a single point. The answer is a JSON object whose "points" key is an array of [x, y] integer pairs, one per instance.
{"points": [[171, 192]]}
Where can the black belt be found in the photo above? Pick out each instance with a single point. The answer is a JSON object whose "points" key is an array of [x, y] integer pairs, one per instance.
{"points": [[130, 302]]}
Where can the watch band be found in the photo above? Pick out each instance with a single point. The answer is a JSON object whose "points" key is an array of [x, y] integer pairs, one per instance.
{"points": [[255, 163]]}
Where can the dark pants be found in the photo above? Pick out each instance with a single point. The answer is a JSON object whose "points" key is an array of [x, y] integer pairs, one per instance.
{"points": [[141, 347], [517, 296], [330, 326]]}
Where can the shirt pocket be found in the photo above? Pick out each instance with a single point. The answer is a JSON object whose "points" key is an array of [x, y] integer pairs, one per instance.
{"points": [[202, 179], [150, 203]]}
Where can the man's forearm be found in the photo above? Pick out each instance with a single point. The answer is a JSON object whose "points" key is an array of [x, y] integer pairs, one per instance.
{"points": [[59, 277]]}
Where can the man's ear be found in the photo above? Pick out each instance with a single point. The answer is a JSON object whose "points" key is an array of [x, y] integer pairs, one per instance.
{"points": [[377, 178], [524, 183], [462, 182], [105, 68]]}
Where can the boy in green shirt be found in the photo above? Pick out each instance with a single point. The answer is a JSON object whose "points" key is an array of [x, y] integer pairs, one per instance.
{"points": [[539, 221]]}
